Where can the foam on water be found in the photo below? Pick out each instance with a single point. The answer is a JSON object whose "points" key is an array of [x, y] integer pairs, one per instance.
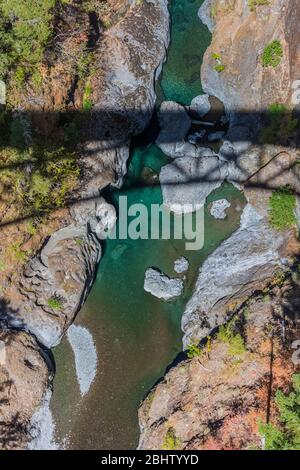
{"points": [[85, 354]]}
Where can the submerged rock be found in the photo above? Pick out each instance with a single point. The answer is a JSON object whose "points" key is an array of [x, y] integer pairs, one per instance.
{"points": [[85, 354], [162, 286], [188, 181], [218, 208], [181, 265]]}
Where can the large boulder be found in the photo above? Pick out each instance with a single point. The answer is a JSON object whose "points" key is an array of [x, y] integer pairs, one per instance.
{"points": [[175, 124], [188, 181], [162, 286]]}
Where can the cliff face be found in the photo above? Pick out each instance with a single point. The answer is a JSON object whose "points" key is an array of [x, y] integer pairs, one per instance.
{"points": [[239, 38], [216, 399], [97, 83]]}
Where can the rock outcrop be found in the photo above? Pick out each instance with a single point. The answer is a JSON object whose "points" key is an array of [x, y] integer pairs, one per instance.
{"points": [[216, 400], [25, 371], [244, 262], [239, 38], [162, 286], [188, 181]]}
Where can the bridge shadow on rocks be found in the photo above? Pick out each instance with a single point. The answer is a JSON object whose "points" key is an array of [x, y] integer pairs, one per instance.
{"points": [[32, 142]]}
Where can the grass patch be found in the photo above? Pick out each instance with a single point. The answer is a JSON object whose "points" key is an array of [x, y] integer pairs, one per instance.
{"points": [[25, 29], [87, 103], [272, 54], [282, 205]]}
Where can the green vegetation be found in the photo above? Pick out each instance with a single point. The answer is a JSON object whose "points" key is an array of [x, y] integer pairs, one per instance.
{"points": [[52, 176], [235, 342], [87, 102], [282, 126], [55, 302], [286, 436], [219, 67], [213, 11], [256, 3], [25, 29], [171, 442], [282, 206], [193, 350], [272, 54]]}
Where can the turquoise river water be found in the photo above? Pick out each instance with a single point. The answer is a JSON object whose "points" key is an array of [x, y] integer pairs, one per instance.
{"points": [[136, 335]]}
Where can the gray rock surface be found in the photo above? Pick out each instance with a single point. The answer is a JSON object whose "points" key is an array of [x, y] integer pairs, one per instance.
{"points": [[218, 208], [205, 15], [215, 136], [162, 286], [188, 181], [181, 265], [201, 105], [175, 124], [249, 256]]}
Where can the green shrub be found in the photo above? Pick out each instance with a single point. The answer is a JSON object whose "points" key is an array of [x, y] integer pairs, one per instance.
{"points": [[25, 28], [219, 68], [282, 206], [287, 436], [193, 350], [272, 54], [87, 102], [281, 127], [235, 342], [171, 442], [56, 303]]}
